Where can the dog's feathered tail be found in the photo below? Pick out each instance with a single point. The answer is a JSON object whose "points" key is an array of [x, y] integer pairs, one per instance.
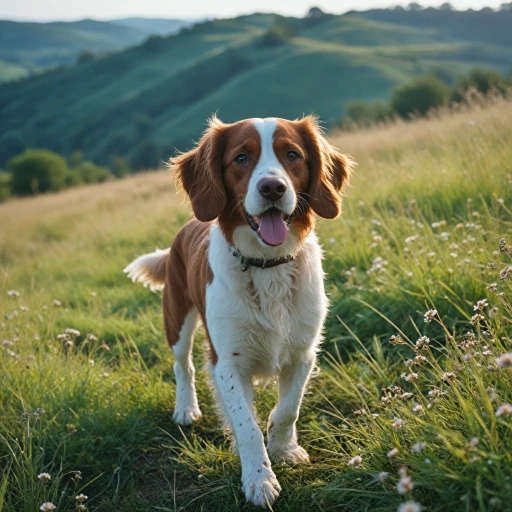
{"points": [[149, 269]]}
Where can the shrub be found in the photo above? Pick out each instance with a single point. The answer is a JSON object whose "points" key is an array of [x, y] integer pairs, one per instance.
{"points": [[482, 80], [5, 185], [85, 56], [37, 170], [91, 173], [120, 166], [279, 33], [366, 114], [419, 96]]}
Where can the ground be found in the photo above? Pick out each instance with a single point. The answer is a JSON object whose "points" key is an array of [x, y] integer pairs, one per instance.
{"points": [[421, 229]]}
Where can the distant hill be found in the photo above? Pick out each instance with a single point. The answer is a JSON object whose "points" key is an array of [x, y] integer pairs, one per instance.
{"points": [[159, 26], [36, 46], [146, 101]]}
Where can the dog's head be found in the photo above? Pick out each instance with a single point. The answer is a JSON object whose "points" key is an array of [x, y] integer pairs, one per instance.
{"points": [[264, 176]]}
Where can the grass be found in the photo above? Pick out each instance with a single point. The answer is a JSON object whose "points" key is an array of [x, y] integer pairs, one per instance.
{"points": [[428, 205]]}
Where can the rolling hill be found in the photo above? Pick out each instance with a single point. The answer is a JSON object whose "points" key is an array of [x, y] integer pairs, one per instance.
{"points": [[36, 46], [146, 101]]}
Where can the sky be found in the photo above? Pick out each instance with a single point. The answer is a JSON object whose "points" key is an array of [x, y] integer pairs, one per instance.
{"points": [[50, 10]]}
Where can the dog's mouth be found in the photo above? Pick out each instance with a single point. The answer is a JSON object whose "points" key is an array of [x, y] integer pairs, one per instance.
{"points": [[271, 226]]}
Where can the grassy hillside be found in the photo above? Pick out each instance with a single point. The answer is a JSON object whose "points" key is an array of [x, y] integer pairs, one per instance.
{"points": [[145, 102], [485, 26], [36, 46], [428, 205], [39, 45]]}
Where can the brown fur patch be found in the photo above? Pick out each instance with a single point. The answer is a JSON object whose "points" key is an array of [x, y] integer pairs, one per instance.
{"points": [[188, 274]]}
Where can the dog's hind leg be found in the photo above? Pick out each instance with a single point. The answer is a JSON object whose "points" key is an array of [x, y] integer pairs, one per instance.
{"points": [[180, 321], [187, 409]]}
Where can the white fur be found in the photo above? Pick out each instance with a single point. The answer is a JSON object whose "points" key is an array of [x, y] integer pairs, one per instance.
{"points": [[140, 270], [268, 166], [187, 409], [264, 323]]}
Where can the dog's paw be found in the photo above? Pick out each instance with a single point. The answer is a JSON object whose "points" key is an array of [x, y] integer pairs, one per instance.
{"points": [[289, 454], [261, 488], [186, 415]]}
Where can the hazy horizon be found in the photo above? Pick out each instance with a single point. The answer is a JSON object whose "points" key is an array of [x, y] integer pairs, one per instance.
{"points": [[61, 10]]}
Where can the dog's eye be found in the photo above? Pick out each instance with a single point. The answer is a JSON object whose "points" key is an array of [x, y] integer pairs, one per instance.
{"points": [[241, 159], [292, 156]]}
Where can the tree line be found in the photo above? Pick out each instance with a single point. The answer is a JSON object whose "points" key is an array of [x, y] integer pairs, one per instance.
{"points": [[421, 95]]}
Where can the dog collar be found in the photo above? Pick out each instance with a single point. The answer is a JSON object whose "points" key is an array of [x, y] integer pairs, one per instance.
{"points": [[247, 262]]}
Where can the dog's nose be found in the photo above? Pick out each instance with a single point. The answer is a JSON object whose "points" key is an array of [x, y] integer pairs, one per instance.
{"points": [[272, 188]]}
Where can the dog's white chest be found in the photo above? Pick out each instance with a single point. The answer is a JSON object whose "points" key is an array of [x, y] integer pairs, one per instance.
{"points": [[267, 317]]}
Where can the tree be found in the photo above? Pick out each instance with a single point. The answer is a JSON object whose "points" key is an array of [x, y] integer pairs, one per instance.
{"points": [[279, 33], [85, 56], [446, 7], [414, 6], [315, 13], [419, 96], [76, 158], [92, 173], [506, 7], [120, 166], [37, 170], [483, 80], [366, 114], [5, 185]]}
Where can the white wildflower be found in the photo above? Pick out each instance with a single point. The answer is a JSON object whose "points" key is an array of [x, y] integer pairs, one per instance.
{"points": [[13, 293], [91, 362], [47, 507], [404, 485], [423, 343], [480, 305], [430, 315], [448, 376], [398, 423], [504, 410], [81, 498], [393, 453], [473, 443], [417, 409], [355, 461], [476, 319], [382, 476], [418, 447], [410, 506], [505, 360], [72, 332], [44, 477]]}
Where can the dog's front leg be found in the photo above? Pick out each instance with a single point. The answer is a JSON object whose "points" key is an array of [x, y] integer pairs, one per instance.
{"points": [[259, 482], [282, 433]]}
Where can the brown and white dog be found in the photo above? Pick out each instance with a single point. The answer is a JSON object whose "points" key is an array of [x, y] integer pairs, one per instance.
{"points": [[249, 267]]}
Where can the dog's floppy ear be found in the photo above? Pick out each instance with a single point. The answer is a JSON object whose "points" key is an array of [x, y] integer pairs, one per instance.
{"points": [[329, 170], [199, 172]]}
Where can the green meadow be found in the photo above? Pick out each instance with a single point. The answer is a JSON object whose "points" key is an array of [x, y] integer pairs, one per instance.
{"points": [[86, 380]]}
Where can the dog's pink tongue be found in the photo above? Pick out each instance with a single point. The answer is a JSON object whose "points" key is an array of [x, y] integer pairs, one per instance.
{"points": [[272, 227]]}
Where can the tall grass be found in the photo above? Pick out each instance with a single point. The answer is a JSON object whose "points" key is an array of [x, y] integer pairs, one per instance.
{"points": [[428, 205]]}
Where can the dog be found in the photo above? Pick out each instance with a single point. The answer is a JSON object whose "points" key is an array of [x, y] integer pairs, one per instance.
{"points": [[248, 266]]}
